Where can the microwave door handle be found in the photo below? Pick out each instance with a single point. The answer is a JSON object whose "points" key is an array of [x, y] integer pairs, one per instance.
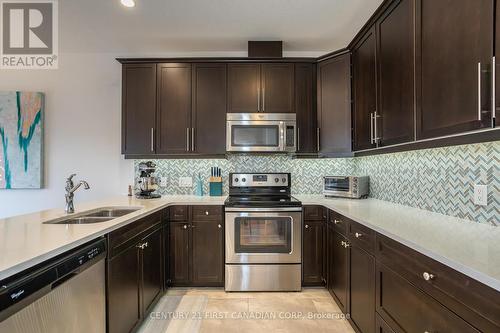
{"points": [[282, 135]]}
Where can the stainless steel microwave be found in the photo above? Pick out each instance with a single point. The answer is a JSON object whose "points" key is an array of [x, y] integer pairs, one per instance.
{"points": [[346, 186], [261, 132]]}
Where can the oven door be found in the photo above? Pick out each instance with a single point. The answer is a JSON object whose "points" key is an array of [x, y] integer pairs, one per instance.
{"points": [[263, 237], [254, 136]]}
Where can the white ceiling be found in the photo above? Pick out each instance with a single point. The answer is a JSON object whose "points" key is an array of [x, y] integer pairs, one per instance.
{"points": [[156, 27]]}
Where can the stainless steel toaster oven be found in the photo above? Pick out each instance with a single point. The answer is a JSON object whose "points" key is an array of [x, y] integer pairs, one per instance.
{"points": [[346, 186]]}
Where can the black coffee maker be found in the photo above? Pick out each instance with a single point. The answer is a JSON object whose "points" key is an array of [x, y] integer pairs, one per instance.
{"points": [[147, 184]]}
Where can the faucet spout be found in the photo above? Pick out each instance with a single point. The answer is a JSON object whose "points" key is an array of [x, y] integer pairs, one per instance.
{"points": [[70, 190]]}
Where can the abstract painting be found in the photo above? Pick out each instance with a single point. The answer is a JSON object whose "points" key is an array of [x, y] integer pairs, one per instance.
{"points": [[21, 139]]}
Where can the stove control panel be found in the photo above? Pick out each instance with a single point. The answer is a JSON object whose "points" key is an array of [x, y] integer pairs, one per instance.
{"points": [[259, 179]]}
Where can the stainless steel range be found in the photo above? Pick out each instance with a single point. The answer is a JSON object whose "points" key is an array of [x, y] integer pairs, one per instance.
{"points": [[263, 234]]}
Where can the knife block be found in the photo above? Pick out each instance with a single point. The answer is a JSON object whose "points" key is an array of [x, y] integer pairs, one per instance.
{"points": [[215, 186]]}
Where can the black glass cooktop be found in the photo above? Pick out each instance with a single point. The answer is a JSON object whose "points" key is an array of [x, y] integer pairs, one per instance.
{"points": [[262, 201]]}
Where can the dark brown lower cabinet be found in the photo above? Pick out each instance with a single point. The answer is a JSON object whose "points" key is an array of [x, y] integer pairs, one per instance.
{"points": [[207, 253], [338, 268], [196, 248], [134, 281], [381, 326], [407, 309], [312, 253], [362, 289], [179, 253]]}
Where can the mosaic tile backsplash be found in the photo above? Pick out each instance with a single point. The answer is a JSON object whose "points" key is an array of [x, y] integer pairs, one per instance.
{"points": [[439, 180]]}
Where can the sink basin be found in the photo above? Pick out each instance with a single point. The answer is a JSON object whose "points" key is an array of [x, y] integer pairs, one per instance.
{"points": [[95, 216]]}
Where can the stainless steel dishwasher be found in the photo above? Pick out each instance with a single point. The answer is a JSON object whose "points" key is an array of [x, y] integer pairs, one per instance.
{"points": [[66, 294]]}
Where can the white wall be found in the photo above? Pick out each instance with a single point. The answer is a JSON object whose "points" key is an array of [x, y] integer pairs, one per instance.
{"points": [[82, 131]]}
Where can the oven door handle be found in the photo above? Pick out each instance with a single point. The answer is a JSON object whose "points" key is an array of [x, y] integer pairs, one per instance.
{"points": [[264, 210]]}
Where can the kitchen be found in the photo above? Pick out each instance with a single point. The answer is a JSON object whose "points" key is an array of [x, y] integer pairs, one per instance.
{"points": [[334, 166]]}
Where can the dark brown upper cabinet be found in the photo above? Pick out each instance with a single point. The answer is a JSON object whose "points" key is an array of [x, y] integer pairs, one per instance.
{"points": [[395, 59], [454, 43], [174, 108], [261, 88], [334, 106], [138, 108], [497, 53], [305, 107], [277, 86], [364, 92], [208, 129]]}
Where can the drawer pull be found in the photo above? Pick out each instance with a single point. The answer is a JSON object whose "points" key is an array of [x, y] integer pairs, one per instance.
{"points": [[219, 226], [428, 276], [185, 226], [337, 221], [206, 212], [346, 245], [358, 235], [306, 226]]}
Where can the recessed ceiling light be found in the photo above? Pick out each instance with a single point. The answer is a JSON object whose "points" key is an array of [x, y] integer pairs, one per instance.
{"points": [[128, 3]]}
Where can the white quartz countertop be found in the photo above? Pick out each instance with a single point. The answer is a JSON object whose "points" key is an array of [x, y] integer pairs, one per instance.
{"points": [[468, 247], [26, 241]]}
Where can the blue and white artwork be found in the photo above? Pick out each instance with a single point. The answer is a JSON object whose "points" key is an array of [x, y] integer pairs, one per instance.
{"points": [[21, 136]]}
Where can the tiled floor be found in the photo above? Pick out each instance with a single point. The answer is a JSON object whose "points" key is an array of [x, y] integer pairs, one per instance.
{"points": [[213, 310]]}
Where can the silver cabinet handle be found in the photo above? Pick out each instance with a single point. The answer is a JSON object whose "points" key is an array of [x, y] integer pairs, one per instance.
{"points": [[358, 234], [493, 90], [479, 105], [152, 139], [375, 125], [206, 212], [337, 221], [372, 140], [145, 244], [263, 100], [258, 99], [192, 139], [187, 139], [185, 226], [298, 138], [342, 243], [317, 135], [219, 226], [306, 226], [428, 276]]}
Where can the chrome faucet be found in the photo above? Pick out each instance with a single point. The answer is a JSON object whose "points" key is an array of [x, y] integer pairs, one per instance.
{"points": [[70, 190]]}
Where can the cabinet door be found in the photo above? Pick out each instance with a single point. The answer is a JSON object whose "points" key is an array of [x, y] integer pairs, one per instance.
{"points": [[138, 108], [123, 291], [174, 108], [179, 253], [364, 90], [334, 106], [312, 252], [277, 84], [305, 107], [408, 309], [362, 290], [244, 93], [152, 266], [339, 279], [453, 37], [381, 326], [395, 58], [209, 109], [208, 253]]}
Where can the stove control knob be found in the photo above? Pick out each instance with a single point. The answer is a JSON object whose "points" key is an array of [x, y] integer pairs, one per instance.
{"points": [[276, 180], [283, 180], [243, 180], [235, 180]]}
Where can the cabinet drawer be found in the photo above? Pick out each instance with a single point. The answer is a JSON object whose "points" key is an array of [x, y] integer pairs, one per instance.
{"points": [[206, 213], [314, 213], [339, 222], [179, 213], [470, 299], [408, 309], [362, 236], [119, 239]]}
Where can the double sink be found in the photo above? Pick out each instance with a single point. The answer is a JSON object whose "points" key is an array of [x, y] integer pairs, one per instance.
{"points": [[95, 216]]}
